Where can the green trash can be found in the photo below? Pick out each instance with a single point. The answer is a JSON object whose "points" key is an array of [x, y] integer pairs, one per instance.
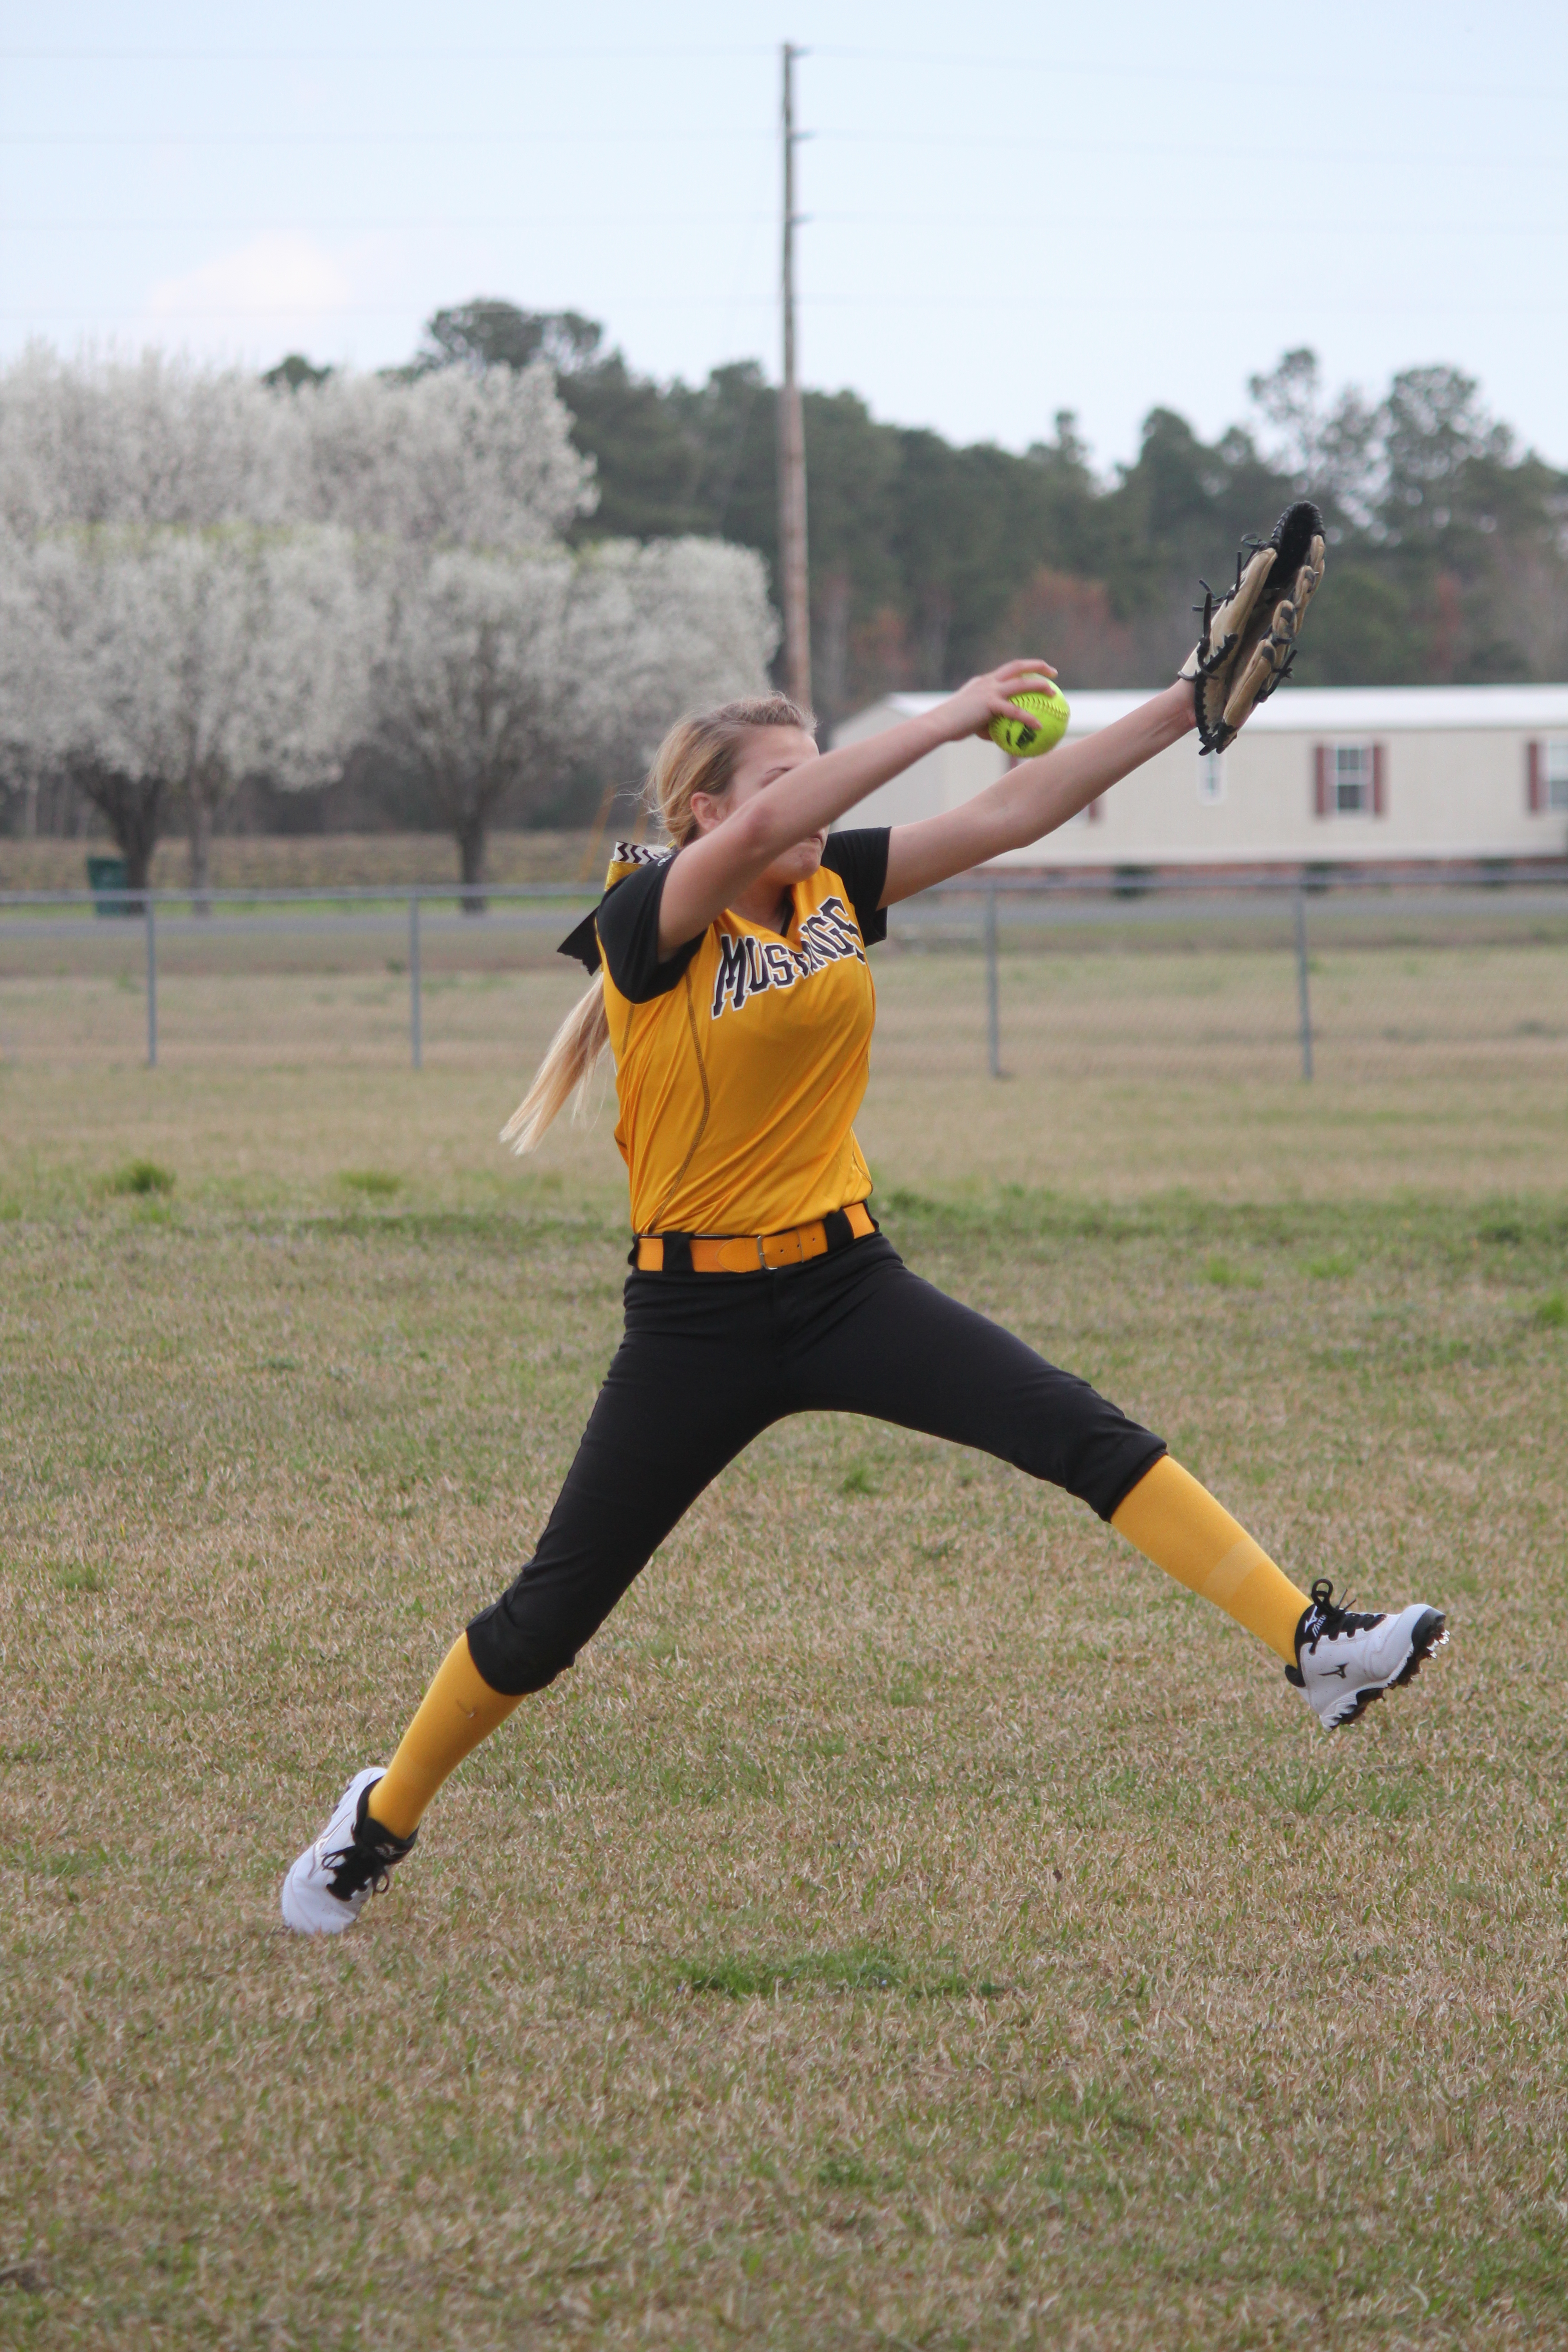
{"points": [[108, 874]]}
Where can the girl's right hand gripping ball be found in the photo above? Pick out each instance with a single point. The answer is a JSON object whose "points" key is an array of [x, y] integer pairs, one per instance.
{"points": [[1028, 743]]}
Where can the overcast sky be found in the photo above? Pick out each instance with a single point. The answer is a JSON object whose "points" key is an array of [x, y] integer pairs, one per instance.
{"points": [[1013, 209]]}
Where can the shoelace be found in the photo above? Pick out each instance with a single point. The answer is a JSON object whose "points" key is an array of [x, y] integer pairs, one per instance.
{"points": [[1329, 1619], [364, 1863]]}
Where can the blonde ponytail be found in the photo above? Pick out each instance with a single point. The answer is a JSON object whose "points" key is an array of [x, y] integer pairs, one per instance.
{"points": [[573, 1051], [697, 755]]}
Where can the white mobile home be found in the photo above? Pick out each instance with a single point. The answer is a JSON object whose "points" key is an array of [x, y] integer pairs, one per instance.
{"points": [[1408, 776]]}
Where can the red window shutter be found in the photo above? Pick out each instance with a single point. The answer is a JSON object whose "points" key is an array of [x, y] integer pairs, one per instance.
{"points": [[1535, 772], [1379, 793], [1321, 779]]}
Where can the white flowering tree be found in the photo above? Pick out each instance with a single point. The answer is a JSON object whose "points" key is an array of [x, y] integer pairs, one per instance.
{"points": [[468, 691], [500, 670], [144, 441], [54, 622], [671, 627], [158, 629], [450, 459], [204, 577], [156, 664]]}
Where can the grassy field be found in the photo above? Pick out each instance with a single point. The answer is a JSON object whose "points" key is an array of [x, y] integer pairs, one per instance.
{"points": [[914, 1922], [1161, 1062]]}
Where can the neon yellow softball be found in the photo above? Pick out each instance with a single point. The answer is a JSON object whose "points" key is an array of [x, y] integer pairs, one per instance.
{"points": [[1028, 743]]}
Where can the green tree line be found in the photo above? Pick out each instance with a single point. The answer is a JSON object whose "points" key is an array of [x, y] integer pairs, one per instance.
{"points": [[929, 559]]}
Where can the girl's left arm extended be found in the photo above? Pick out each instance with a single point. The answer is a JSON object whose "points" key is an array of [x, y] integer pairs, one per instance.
{"points": [[1032, 799]]}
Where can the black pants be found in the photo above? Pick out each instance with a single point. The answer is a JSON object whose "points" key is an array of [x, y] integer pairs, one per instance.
{"points": [[709, 1360]]}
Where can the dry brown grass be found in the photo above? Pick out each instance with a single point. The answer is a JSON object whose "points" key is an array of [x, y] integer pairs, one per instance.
{"points": [[914, 1922], [305, 861]]}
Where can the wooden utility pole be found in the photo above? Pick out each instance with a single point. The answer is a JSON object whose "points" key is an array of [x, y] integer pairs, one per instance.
{"points": [[791, 436]]}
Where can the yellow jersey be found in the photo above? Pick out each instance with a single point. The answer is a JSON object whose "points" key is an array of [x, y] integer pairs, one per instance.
{"points": [[740, 1062]]}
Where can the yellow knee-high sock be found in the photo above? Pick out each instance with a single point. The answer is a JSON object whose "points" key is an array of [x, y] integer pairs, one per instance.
{"points": [[1178, 1525], [458, 1711]]}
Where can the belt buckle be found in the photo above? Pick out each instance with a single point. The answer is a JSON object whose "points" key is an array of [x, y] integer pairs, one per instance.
{"points": [[791, 1245]]}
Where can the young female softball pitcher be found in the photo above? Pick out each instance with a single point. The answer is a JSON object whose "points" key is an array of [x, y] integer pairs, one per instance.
{"points": [[732, 988]]}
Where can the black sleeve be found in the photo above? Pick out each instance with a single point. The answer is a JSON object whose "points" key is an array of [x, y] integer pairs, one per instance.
{"points": [[628, 925], [860, 861]]}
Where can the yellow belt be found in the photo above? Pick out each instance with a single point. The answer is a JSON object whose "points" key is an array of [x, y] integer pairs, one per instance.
{"points": [[748, 1253]]}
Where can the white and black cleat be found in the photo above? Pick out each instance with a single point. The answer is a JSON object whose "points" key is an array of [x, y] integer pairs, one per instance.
{"points": [[1347, 1657], [353, 1859]]}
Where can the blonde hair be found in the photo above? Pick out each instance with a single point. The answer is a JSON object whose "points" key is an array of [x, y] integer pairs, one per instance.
{"points": [[697, 755]]}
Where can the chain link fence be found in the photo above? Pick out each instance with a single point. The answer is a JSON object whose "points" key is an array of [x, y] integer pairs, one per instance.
{"points": [[1160, 979], [1148, 978]]}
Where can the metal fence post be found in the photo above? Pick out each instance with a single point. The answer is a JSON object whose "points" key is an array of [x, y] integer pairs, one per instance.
{"points": [[993, 999], [152, 983], [416, 1008], [1303, 990]]}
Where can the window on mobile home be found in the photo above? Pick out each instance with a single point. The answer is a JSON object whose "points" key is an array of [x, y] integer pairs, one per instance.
{"points": [[1555, 761], [1352, 780]]}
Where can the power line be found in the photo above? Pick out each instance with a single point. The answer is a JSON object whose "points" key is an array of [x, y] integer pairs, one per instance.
{"points": [[918, 300], [927, 141], [1053, 67], [514, 137], [1270, 73], [270, 222], [1133, 145], [597, 54]]}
